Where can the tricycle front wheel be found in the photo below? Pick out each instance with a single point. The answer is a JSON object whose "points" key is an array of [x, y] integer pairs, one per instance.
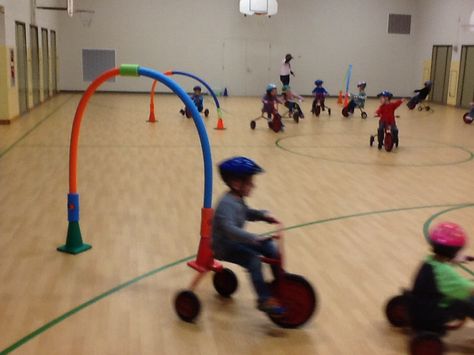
{"points": [[297, 297]]}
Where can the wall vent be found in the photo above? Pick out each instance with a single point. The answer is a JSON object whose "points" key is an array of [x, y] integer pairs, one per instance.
{"points": [[400, 24], [96, 61]]}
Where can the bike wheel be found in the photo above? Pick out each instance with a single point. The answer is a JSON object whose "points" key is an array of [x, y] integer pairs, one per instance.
{"points": [[187, 305], [296, 117], [372, 139], [298, 298], [466, 119], [206, 112], [363, 115], [317, 110], [345, 112], [253, 124], [426, 343], [388, 142], [396, 311], [225, 282], [420, 108]]}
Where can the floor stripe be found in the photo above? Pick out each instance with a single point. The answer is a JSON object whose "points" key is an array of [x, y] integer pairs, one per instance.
{"points": [[2, 153], [86, 304], [470, 156]]}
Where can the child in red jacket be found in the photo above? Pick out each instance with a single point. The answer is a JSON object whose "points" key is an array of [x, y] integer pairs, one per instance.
{"points": [[386, 112]]}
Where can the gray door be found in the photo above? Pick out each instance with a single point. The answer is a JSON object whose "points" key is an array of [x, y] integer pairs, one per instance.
{"points": [[35, 67], [440, 68], [466, 77], [45, 56], [54, 77], [22, 69]]}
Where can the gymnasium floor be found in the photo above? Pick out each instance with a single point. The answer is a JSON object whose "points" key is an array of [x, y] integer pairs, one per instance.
{"points": [[356, 217]]}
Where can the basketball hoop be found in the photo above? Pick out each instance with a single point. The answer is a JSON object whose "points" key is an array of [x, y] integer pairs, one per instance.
{"points": [[259, 7], [85, 15]]}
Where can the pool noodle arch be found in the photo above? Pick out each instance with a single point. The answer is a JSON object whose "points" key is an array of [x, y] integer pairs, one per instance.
{"points": [[74, 244], [209, 89]]}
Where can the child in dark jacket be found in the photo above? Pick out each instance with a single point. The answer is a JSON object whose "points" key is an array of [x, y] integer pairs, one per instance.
{"points": [[422, 94], [440, 294], [230, 242]]}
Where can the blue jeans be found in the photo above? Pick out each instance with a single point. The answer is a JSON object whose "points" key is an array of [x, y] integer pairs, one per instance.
{"points": [[248, 256]]}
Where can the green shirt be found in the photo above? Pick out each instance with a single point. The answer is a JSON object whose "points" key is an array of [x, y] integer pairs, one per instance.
{"points": [[450, 284]]}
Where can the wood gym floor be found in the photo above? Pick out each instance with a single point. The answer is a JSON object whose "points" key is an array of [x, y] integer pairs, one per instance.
{"points": [[356, 218]]}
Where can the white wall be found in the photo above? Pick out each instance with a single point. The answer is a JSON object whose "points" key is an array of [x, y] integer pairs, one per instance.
{"points": [[323, 36], [23, 11], [440, 23]]}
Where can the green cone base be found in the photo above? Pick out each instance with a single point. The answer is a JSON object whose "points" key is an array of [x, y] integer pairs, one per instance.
{"points": [[65, 249], [74, 244]]}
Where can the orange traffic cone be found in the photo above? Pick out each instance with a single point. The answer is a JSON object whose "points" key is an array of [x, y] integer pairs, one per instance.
{"points": [[339, 99], [346, 100], [220, 124]]}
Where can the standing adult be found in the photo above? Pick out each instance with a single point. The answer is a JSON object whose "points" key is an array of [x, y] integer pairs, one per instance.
{"points": [[285, 70]]}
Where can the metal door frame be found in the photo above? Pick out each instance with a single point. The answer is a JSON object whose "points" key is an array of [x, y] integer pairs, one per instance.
{"points": [[32, 29], [19, 23], [434, 60], [462, 73], [46, 88]]}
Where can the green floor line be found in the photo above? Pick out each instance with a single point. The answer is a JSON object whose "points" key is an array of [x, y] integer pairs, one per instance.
{"points": [[86, 304], [2, 153], [73, 311], [289, 150]]}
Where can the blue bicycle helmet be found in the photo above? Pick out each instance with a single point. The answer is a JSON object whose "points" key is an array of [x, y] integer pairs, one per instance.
{"points": [[270, 87], [238, 167], [197, 87], [318, 82], [385, 94]]}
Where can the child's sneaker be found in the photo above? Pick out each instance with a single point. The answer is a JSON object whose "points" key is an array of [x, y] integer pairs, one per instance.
{"points": [[182, 112], [380, 146], [271, 306]]}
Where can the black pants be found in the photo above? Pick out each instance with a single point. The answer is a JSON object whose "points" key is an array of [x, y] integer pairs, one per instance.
{"points": [[351, 106], [285, 79], [293, 106]]}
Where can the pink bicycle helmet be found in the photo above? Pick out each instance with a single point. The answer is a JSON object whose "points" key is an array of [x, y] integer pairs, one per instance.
{"points": [[447, 239]]}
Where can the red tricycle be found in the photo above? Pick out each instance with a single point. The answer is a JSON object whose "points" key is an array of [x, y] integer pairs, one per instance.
{"points": [[388, 141], [399, 313], [467, 118], [273, 120], [186, 112], [390, 138], [319, 103], [294, 292]]}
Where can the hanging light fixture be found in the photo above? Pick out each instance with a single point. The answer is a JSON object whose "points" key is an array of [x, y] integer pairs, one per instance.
{"points": [[259, 7]]}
